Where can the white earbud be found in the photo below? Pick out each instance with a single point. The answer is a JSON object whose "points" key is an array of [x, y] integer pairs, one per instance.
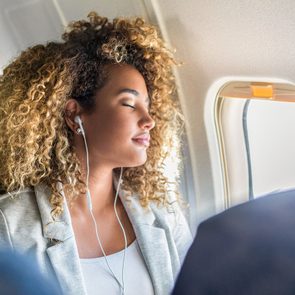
{"points": [[80, 130], [78, 120]]}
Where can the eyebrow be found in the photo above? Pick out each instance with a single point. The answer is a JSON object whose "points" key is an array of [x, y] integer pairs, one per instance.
{"points": [[134, 92]]}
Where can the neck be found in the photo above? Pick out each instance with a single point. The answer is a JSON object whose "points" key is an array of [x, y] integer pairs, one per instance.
{"points": [[101, 189], [100, 183]]}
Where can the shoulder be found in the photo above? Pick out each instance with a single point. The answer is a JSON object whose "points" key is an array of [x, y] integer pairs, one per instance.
{"points": [[18, 213], [269, 217], [170, 215], [16, 198], [170, 218], [258, 212], [14, 204]]}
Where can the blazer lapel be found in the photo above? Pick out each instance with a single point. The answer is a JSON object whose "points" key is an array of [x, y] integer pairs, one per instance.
{"points": [[62, 250], [153, 244]]}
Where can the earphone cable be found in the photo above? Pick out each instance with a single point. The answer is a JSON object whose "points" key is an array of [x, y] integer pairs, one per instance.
{"points": [[88, 196], [121, 225]]}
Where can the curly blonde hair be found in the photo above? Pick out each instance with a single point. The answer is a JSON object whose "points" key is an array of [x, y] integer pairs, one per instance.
{"points": [[36, 143]]}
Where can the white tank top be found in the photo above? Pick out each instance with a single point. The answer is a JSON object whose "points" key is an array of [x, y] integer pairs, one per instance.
{"points": [[98, 279]]}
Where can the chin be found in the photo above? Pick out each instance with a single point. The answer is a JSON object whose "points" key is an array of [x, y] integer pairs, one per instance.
{"points": [[136, 162]]}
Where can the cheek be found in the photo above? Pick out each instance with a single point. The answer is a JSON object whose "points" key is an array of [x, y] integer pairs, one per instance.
{"points": [[111, 128], [121, 126]]}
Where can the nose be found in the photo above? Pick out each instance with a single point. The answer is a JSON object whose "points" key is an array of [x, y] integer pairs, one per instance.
{"points": [[147, 122]]}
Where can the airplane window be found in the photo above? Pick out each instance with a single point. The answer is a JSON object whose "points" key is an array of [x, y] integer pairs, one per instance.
{"points": [[255, 126]]}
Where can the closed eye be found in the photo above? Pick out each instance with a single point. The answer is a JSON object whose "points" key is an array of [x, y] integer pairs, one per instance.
{"points": [[128, 105]]}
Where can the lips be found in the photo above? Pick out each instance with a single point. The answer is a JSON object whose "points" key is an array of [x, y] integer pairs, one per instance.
{"points": [[143, 139]]}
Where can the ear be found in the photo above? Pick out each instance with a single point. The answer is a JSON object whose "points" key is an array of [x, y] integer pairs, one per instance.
{"points": [[72, 109]]}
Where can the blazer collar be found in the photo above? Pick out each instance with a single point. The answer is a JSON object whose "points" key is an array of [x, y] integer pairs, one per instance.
{"points": [[59, 229]]}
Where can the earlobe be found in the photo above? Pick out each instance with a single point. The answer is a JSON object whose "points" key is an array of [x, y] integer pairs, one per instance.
{"points": [[70, 122]]}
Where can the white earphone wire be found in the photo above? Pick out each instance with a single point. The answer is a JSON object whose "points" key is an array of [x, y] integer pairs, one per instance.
{"points": [[89, 202], [121, 225]]}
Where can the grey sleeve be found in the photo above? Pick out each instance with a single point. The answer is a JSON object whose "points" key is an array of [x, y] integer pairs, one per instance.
{"points": [[5, 238]]}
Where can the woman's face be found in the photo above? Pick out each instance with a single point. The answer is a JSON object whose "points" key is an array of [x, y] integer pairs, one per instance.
{"points": [[117, 131]]}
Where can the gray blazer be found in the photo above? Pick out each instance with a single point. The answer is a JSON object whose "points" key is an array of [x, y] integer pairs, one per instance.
{"points": [[27, 226]]}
